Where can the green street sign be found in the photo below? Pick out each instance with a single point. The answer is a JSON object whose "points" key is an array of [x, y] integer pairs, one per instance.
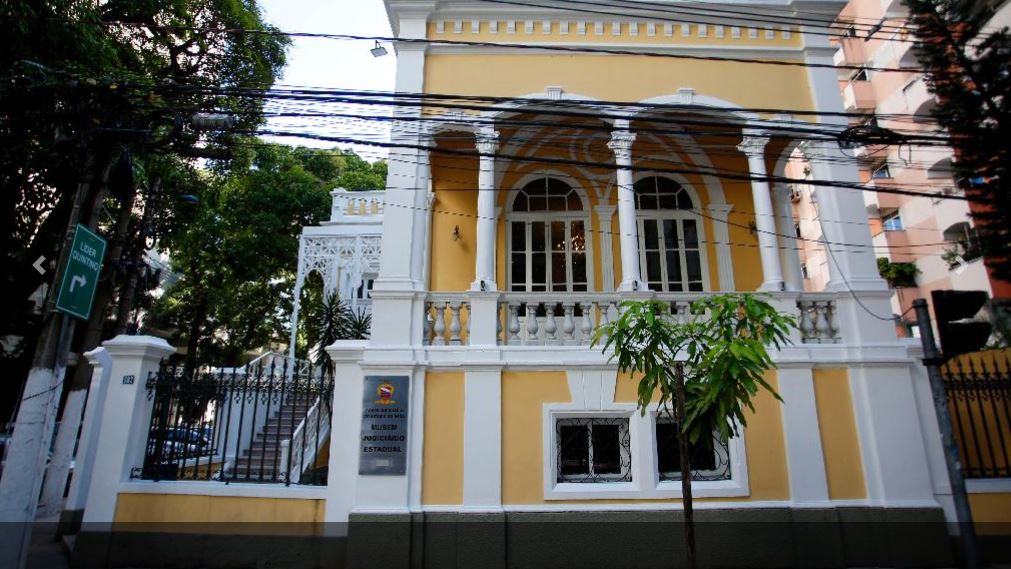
{"points": [[77, 291]]}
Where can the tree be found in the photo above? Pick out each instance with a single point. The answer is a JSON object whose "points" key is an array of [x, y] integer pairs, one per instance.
{"points": [[236, 250], [709, 365], [966, 67]]}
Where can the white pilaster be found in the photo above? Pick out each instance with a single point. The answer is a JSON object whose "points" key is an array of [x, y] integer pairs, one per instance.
{"points": [[604, 215], [621, 144], [753, 146], [805, 459], [484, 269], [789, 245], [123, 420], [345, 429], [482, 439], [895, 462], [101, 367], [724, 254]]}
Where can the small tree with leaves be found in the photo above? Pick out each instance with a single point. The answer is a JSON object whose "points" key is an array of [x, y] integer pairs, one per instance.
{"points": [[709, 366]]}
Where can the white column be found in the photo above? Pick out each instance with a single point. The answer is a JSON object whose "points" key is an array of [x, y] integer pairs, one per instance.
{"points": [[604, 215], [753, 146], [123, 421], [621, 145], [101, 367], [789, 245], [724, 253], [345, 429], [804, 455], [482, 440], [484, 265]]}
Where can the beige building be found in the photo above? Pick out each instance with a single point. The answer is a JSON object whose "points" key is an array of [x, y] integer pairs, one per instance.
{"points": [[934, 235]]}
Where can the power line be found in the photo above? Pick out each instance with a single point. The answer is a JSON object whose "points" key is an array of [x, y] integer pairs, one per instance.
{"points": [[540, 47]]}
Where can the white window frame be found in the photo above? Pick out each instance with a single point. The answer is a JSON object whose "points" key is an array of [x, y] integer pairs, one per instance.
{"points": [[664, 418], [676, 215], [592, 394], [547, 217]]}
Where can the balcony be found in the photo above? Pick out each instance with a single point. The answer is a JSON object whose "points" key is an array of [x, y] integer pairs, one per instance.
{"points": [[851, 53], [356, 207], [569, 319], [919, 100], [859, 95]]}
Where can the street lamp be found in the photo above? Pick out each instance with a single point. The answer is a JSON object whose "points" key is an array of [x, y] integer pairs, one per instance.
{"points": [[379, 50]]}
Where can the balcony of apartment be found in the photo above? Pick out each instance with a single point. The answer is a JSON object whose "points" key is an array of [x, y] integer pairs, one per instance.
{"points": [[919, 101], [858, 95], [851, 53]]}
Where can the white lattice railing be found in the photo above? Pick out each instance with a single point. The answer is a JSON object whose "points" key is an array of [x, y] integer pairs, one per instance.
{"points": [[356, 204]]}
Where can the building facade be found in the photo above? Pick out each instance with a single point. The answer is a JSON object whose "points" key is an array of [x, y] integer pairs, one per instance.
{"points": [[478, 426], [927, 242]]}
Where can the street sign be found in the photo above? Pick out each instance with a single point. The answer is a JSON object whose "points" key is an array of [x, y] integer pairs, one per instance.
{"points": [[77, 290]]}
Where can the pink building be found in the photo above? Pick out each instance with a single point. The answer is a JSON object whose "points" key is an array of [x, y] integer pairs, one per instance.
{"points": [[934, 235]]}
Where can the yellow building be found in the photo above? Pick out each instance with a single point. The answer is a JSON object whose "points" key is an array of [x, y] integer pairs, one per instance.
{"points": [[531, 190]]}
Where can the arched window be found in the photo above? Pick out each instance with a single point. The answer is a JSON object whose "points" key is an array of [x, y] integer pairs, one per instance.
{"points": [[547, 239], [671, 254]]}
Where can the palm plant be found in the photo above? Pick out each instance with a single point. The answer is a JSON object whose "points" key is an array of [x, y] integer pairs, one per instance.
{"points": [[709, 365], [336, 320]]}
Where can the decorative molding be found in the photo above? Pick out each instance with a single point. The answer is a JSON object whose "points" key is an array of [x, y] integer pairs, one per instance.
{"points": [[615, 28], [703, 30], [563, 28], [581, 28], [735, 32], [633, 28], [621, 144], [650, 29], [528, 27], [440, 27], [787, 33], [553, 93], [770, 34], [493, 26], [687, 95], [546, 27], [511, 27], [668, 30], [720, 31], [475, 26], [486, 141], [753, 144], [686, 30], [458, 26], [753, 33], [598, 28]]}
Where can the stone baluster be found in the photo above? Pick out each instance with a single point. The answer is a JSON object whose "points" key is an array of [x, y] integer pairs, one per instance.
{"points": [[499, 338], [514, 322], [440, 324], [550, 326], [586, 326], [568, 324], [454, 323], [532, 325], [429, 322]]}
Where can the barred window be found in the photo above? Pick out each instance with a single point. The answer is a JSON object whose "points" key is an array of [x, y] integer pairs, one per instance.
{"points": [[709, 458], [593, 449]]}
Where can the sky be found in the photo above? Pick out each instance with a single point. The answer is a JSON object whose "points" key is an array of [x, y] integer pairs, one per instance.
{"points": [[315, 62]]}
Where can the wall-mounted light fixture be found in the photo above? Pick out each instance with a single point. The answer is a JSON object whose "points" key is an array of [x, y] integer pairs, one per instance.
{"points": [[379, 50], [456, 233]]}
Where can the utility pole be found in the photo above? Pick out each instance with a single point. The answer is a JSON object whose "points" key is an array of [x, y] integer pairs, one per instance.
{"points": [[932, 361], [33, 428]]}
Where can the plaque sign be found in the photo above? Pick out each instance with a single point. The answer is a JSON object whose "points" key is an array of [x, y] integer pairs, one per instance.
{"points": [[383, 449]]}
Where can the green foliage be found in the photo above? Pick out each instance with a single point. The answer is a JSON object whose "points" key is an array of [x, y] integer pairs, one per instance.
{"points": [[724, 348], [333, 319], [236, 250], [965, 59], [898, 274]]}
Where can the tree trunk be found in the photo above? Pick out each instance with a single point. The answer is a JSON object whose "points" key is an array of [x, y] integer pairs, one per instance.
{"points": [[136, 253], [686, 469]]}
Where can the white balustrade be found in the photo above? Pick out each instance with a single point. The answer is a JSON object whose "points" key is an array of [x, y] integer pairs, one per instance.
{"points": [[570, 319], [817, 319], [442, 308], [356, 204]]}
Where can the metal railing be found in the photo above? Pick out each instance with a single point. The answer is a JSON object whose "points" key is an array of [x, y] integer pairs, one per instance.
{"points": [[979, 400], [231, 426]]}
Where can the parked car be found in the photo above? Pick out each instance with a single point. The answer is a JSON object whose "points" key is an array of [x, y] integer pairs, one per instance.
{"points": [[181, 441]]}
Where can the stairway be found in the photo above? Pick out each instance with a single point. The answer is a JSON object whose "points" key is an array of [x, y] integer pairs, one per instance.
{"points": [[260, 462]]}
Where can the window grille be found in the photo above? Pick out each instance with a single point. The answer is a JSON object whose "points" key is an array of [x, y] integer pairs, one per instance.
{"points": [[709, 458], [592, 450]]}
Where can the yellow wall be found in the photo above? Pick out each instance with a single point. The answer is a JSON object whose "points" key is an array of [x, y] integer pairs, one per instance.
{"points": [[523, 397], [991, 513], [840, 441], [218, 514], [617, 78], [442, 475]]}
